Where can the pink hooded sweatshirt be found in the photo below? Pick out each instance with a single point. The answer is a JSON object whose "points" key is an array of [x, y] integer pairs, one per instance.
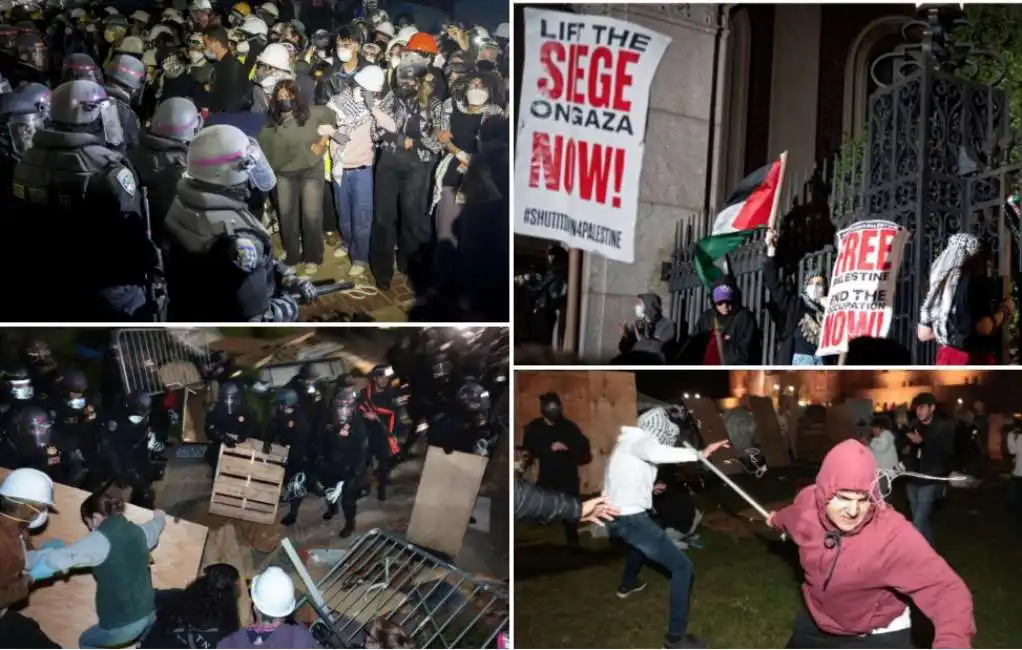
{"points": [[852, 579]]}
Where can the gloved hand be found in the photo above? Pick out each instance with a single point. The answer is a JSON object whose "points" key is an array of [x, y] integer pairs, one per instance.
{"points": [[41, 570], [306, 290], [267, 447], [229, 443], [53, 544], [283, 309]]}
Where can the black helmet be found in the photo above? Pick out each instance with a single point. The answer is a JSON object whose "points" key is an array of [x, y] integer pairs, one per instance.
{"points": [[21, 115], [139, 403], [37, 352], [321, 39], [31, 51], [75, 381], [473, 397], [231, 395], [287, 397], [344, 405], [34, 427], [343, 380]]}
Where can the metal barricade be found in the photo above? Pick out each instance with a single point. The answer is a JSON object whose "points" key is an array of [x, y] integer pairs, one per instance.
{"points": [[151, 360], [434, 602]]}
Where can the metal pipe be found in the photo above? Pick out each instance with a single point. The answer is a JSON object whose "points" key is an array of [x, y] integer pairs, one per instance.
{"points": [[310, 586]]}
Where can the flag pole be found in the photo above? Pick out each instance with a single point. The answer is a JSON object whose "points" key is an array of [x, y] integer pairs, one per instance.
{"points": [[775, 208]]}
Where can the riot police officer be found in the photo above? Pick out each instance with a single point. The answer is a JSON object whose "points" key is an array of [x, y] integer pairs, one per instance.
{"points": [[71, 408], [70, 172], [33, 60], [218, 256], [378, 404], [126, 445], [80, 67], [124, 77], [229, 422], [468, 430], [310, 396], [18, 394], [42, 368], [160, 158], [21, 113], [289, 426], [38, 445], [344, 444]]}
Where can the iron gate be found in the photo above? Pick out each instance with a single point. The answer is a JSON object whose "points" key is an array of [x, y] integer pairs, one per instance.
{"points": [[383, 576], [938, 160], [151, 360]]}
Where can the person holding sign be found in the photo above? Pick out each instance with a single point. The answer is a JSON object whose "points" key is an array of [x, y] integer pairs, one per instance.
{"points": [[802, 313], [863, 561], [958, 311]]}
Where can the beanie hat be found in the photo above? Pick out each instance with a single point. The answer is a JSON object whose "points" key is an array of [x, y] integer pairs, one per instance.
{"points": [[656, 423]]}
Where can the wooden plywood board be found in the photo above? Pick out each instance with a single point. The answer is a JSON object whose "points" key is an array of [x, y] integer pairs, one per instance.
{"points": [[193, 416], [66, 608], [599, 402], [768, 431], [445, 500], [712, 429]]}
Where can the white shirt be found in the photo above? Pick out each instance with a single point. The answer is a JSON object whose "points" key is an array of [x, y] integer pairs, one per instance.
{"points": [[884, 450], [1015, 449], [631, 471]]}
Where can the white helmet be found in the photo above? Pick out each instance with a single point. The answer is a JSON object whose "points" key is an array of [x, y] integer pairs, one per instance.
{"points": [[158, 31], [254, 26], [111, 11], [131, 45], [223, 155], [30, 486], [502, 31], [387, 28], [173, 15], [405, 33], [149, 58], [201, 5], [140, 16], [371, 78], [276, 55], [270, 9], [273, 593]]}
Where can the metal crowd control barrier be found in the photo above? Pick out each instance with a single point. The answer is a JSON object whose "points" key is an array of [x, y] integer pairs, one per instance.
{"points": [[383, 576], [151, 360]]}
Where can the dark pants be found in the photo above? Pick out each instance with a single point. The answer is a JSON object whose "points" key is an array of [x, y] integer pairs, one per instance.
{"points": [[1015, 497], [380, 451], [402, 184], [353, 197], [300, 196], [922, 497], [19, 631], [648, 542], [348, 503], [564, 484], [807, 635]]}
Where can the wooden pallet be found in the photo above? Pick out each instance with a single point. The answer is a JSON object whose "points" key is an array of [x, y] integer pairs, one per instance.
{"points": [[248, 482]]}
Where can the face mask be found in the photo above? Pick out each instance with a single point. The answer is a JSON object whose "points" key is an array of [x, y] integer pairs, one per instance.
{"points": [[814, 292], [395, 61], [285, 105], [477, 96], [210, 56], [40, 520], [551, 411], [77, 403], [195, 56], [344, 54], [407, 91], [242, 47], [22, 390], [485, 65], [640, 311], [135, 419]]}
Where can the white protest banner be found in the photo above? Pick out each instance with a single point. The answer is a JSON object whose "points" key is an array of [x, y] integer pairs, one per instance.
{"points": [[582, 129], [862, 284]]}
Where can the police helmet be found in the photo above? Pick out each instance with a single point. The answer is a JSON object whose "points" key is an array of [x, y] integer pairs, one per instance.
{"points": [[139, 403], [8, 35], [18, 383], [21, 116], [38, 95], [177, 119], [78, 102], [75, 381], [473, 397], [31, 51], [80, 67], [223, 155], [287, 397], [34, 424], [126, 71]]}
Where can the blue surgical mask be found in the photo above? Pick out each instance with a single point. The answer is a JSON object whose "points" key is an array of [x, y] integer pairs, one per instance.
{"points": [[135, 419], [210, 56], [77, 403]]}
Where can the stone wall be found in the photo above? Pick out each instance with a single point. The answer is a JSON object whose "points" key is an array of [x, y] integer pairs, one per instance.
{"points": [[674, 168]]}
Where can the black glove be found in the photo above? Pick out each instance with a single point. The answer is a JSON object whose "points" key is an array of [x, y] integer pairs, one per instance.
{"points": [[283, 309], [306, 290], [267, 447], [229, 443]]}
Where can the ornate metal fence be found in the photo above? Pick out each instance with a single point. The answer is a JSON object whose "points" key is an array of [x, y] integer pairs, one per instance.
{"points": [[938, 160]]}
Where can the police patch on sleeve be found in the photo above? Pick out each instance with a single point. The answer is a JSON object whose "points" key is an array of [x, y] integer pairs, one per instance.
{"points": [[127, 181], [246, 255]]}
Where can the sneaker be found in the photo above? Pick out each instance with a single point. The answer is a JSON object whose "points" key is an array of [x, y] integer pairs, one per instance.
{"points": [[340, 253], [625, 593], [358, 270], [687, 641], [310, 270]]}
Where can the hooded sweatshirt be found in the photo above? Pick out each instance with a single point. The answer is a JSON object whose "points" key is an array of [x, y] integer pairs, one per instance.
{"points": [[651, 332], [853, 580], [632, 469], [739, 333]]}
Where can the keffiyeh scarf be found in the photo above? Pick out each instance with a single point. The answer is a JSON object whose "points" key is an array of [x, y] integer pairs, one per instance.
{"points": [[945, 274]]}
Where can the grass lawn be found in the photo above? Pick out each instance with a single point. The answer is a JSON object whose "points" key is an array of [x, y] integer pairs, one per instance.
{"points": [[746, 586]]}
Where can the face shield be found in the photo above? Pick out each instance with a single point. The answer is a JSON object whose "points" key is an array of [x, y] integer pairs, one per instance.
{"points": [[260, 175], [21, 389], [36, 58], [344, 411], [113, 133], [21, 129]]}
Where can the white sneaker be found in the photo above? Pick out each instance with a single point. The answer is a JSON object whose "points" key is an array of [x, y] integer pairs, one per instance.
{"points": [[358, 270], [310, 270], [340, 253]]}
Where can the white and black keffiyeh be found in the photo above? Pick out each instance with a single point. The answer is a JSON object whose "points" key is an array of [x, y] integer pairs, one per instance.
{"points": [[945, 273], [656, 422], [812, 319]]}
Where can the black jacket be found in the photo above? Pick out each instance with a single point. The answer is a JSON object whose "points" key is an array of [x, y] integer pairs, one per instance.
{"points": [[543, 505], [740, 336], [344, 457], [936, 454], [789, 309], [652, 334], [230, 90], [557, 469]]}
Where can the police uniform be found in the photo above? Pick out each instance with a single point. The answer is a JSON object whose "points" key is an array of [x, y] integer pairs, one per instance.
{"points": [[125, 451], [159, 162], [219, 260], [130, 124], [293, 431], [72, 191]]}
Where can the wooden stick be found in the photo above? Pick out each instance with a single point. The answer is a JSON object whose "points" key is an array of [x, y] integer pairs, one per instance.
{"points": [[772, 224]]}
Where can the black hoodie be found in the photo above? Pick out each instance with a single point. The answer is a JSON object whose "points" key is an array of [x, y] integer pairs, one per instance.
{"points": [[650, 333], [740, 335]]}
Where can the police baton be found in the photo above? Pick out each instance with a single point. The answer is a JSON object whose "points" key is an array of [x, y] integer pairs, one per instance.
{"points": [[156, 301]]}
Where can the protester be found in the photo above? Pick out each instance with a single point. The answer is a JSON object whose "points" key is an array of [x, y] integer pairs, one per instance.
{"points": [[646, 339], [273, 601], [862, 561], [930, 450], [200, 615], [884, 448], [726, 334], [800, 314], [1013, 440], [544, 506]]}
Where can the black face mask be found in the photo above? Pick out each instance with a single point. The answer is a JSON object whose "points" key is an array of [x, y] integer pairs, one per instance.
{"points": [[485, 65], [407, 92], [551, 411], [285, 105]]}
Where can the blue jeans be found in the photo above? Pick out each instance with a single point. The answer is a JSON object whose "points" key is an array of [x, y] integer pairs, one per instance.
{"points": [[800, 359], [354, 199], [97, 637], [921, 499], [648, 541]]}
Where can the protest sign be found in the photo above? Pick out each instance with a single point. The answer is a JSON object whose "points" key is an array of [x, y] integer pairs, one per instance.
{"points": [[582, 129], [862, 284]]}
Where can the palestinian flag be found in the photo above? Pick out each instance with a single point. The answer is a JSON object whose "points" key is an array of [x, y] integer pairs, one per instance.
{"points": [[748, 208]]}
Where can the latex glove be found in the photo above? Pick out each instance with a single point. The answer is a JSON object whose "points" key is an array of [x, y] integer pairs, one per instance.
{"points": [[41, 570], [53, 544], [325, 130]]}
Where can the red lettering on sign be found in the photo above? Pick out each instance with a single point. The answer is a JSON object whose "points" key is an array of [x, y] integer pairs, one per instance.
{"points": [[866, 250], [596, 77], [845, 325], [564, 163]]}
